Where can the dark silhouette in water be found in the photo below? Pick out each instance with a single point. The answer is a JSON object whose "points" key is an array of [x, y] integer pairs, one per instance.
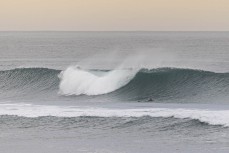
{"points": [[150, 100]]}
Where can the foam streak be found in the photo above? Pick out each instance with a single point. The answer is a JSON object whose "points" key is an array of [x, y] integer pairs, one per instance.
{"points": [[210, 116]]}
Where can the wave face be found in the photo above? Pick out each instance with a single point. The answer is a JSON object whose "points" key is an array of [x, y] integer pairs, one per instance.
{"points": [[183, 84], [28, 81], [164, 84]]}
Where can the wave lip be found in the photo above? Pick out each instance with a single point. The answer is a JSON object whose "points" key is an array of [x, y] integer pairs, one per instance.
{"points": [[209, 116], [75, 81]]}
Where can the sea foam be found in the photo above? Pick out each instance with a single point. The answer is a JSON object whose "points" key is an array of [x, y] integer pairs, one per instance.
{"points": [[76, 81], [210, 116]]}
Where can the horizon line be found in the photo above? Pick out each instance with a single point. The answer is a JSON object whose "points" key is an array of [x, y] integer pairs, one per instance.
{"points": [[114, 31]]}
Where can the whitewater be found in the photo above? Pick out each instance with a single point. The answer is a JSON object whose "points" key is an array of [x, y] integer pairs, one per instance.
{"points": [[76, 81], [209, 116]]}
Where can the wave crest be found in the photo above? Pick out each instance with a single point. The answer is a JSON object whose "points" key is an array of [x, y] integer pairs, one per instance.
{"points": [[158, 85]]}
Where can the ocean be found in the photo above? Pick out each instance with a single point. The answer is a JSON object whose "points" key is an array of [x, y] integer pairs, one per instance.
{"points": [[114, 92]]}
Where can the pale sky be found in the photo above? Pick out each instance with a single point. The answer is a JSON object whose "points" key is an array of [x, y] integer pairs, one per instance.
{"points": [[114, 15]]}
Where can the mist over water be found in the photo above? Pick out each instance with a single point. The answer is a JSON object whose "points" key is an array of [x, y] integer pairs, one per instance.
{"points": [[107, 50]]}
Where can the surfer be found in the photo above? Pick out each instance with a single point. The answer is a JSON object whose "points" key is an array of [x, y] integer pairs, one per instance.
{"points": [[149, 100]]}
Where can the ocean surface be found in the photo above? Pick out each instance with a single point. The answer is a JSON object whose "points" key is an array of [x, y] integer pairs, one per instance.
{"points": [[114, 92]]}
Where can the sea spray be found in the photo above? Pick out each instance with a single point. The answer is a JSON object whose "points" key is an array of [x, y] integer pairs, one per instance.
{"points": [[76, 81]]}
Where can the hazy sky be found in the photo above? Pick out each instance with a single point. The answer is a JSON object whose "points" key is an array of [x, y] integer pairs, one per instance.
{"points": [[102, 15]]}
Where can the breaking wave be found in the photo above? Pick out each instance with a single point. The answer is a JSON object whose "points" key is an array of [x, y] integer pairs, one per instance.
{"points": [[75, 81], [125, 84]]}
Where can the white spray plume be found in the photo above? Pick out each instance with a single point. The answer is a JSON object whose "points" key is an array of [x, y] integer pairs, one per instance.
{"points": [[76, 81]]}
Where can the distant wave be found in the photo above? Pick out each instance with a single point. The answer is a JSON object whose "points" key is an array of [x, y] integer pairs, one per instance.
{"points": [[124, 84], [211, 117]]}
